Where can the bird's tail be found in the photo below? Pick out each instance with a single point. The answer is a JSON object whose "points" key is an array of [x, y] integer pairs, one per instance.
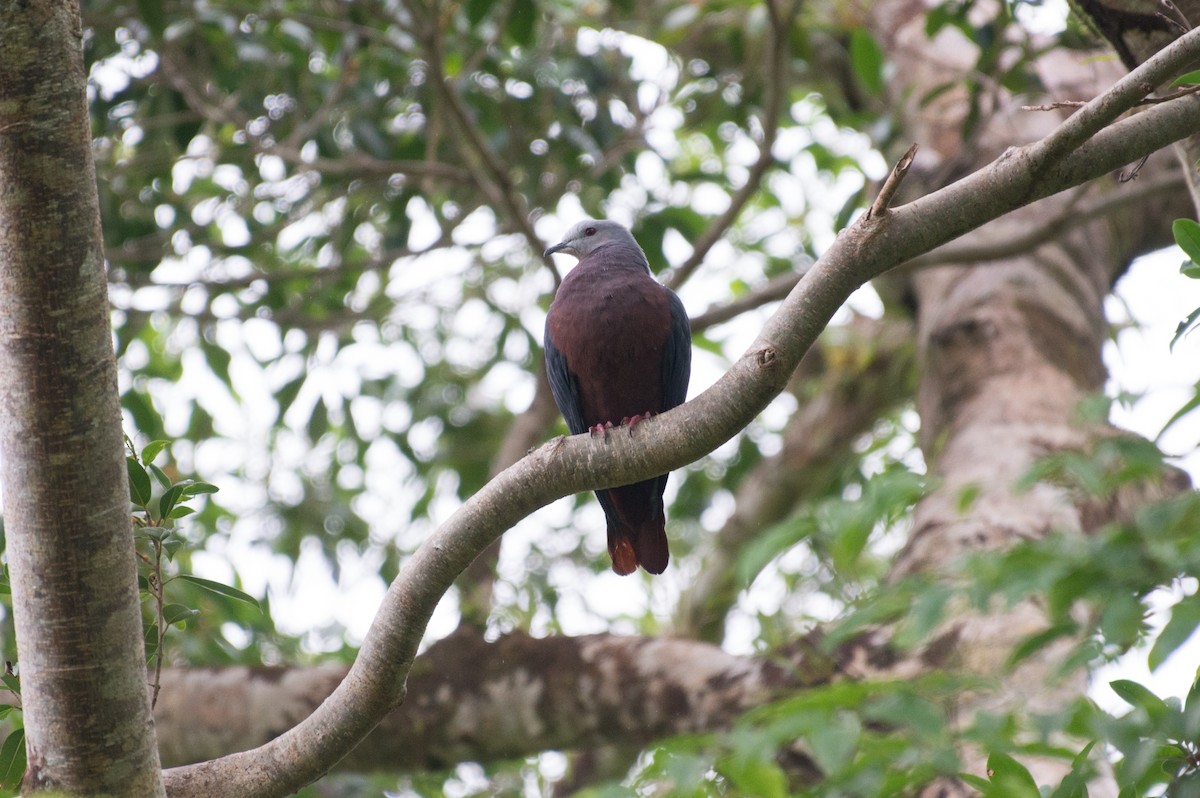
{"points": [[637, 527], [646, 546]]}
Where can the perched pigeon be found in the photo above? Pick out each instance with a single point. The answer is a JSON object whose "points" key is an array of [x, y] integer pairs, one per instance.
{"points": [[618, 350]]}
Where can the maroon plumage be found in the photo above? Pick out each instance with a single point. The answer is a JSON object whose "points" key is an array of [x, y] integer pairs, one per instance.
{"points": [[618, 346]]}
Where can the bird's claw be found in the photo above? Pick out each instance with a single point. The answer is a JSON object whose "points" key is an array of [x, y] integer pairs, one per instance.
{"points": [[601, 430], [633, 421]]}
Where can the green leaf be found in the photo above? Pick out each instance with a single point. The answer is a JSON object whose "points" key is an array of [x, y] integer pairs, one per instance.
{"points": [[978, 782], [220, 589], [160, 475], [153, 15], [170, 547], [218, 360], [151, 638], [1009, 778], [1184, 326], [866, 58], [11, 683], [1138, 695], [1190, 79], [522, 22], [755, 776], [1074, 784], [1185, 617], [177, 614], [1123, 619], [1191, 405], [196, 488], [833, 744], [477, 10], [139, 482], [1187, 236], [181, 511], [1036, 642], [168, 500], [151, 450], [12, 760]]}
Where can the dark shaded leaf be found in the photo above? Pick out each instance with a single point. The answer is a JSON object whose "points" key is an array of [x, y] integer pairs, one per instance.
{"points": [[12, 760], [139, 482], [168, 500], [867, 59]]}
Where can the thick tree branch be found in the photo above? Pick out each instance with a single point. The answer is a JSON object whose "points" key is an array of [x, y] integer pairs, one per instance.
{"points": [[489, 701], [376, 681]]}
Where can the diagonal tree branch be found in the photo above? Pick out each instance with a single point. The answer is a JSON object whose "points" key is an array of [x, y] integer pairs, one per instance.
{"points": [[489, 701]]}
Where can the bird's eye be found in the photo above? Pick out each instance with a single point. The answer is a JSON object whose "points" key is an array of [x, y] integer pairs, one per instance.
{"points": [[591, 231]]}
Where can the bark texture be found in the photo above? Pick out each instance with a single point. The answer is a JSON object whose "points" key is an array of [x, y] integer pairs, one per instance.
{"points": [[66, 504], [487, 701]]}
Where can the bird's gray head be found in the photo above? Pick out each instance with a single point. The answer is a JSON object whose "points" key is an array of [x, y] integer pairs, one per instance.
{"points": [[591, 234]]}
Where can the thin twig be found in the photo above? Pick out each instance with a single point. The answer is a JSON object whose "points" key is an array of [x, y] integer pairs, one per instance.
{"points": [[1108, 106], [1055, 105], [1144, 101], [1173, 16], [1132, 172], [1166, 98], [892, 184], [773, 290], [156, 589]]}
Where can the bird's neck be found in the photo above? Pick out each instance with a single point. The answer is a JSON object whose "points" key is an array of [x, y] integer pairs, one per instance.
{"points": [[617, 256]]}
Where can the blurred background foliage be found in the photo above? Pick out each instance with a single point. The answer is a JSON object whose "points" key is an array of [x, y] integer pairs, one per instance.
{"points": [[324, 221], [328, 291]]}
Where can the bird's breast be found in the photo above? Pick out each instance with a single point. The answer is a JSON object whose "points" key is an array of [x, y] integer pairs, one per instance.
{"points": [[613, 331]]}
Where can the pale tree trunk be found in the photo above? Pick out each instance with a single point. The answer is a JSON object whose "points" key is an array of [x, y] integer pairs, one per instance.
{"points": [[66, 504], [1009, 347]]}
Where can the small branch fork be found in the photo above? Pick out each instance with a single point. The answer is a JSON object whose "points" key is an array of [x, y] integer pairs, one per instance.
{"points": [[892, 184]]}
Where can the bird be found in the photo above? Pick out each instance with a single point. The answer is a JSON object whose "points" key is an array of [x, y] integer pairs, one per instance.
{"points": [[618, 349]]}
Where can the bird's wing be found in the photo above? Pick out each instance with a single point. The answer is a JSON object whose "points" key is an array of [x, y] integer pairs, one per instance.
{"points": [[677, 355], [564, 386]]}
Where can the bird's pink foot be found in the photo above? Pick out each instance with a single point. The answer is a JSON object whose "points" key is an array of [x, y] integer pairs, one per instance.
{"points": [[601, 430], [633, 421]]}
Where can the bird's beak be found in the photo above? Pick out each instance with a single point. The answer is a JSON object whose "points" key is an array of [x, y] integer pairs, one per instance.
{"points": [[559, 247]]}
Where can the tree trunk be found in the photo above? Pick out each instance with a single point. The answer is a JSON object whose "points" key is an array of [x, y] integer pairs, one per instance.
{"points": [[66, 503], [1009, 347]]}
